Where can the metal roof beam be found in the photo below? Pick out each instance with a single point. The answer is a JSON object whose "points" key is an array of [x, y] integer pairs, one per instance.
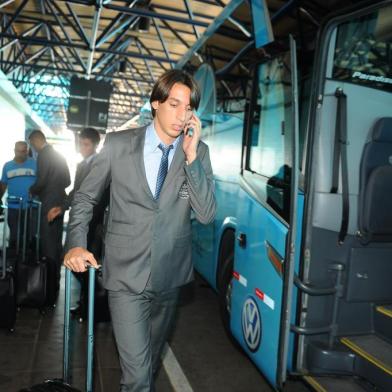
{"points": [[211, 29], [4, 3], [146, 63], [114, 45], [94, 32], [104, 58], [149, 53], [31, 30], [28, 60], [175, 33], [66, 65], [48, 68], [17, 56], [21, 52], [47, 31], [163, 43], [42, 41], [152, 14], [68, 47], [83, 34], [236, 23], [14, 16], [68, 38], [105, 33], [157, 7], [190, 13], [138, 72], [124, 26]]}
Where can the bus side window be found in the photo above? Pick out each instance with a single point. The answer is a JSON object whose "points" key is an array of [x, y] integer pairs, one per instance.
{"points": [[270, 139]]}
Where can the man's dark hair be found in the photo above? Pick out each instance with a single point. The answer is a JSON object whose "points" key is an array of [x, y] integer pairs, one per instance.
{"points": [[161, 89], [91, 134], [37, 134]]}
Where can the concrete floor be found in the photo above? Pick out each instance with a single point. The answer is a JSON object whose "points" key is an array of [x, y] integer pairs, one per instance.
{"points": [[209, 361]]}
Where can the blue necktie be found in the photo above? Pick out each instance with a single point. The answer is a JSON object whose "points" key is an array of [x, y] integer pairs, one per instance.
{"points": [[162, 168]]}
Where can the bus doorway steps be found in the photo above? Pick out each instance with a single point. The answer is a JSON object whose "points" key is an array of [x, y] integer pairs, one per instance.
{"points": [[334, 384], [373, 359], [383, 321]]}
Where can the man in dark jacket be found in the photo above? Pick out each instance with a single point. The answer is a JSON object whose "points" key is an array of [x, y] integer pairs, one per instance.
{"points": [[52, 179]]}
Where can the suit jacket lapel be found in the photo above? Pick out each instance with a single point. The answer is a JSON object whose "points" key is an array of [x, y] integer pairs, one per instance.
{"points": [[80, 175], [137, 155]]}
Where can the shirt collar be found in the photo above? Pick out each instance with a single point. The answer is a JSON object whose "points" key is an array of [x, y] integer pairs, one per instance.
{"points": [[152, 140], [89, 158]]}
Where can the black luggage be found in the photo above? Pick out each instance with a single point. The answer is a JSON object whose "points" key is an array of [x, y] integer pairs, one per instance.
{"points": [[32, 271], [7, 285], [13, 251], [101, 302], [101, 307], [101, 310], [63, 385], [52, 289]]}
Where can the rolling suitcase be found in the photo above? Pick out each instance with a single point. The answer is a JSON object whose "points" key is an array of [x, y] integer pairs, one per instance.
{"points": [[32, 272], [101, 302], [63, 385], [13, 251], [7, 286]]}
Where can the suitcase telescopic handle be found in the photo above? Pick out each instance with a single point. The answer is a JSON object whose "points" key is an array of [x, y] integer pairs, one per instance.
{"points": [[4, 255], [38, 227], [90, 327], [19, 200]]}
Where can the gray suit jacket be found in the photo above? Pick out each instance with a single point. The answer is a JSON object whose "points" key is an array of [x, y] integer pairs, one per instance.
{"points": [[144, 237], [82, 169]]}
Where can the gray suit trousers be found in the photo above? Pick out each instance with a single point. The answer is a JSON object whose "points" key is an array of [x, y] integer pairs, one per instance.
{"points": [[141, 325]]}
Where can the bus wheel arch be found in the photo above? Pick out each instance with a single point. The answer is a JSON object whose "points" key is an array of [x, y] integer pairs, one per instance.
{"points": [[225, 256], [224, 278]]}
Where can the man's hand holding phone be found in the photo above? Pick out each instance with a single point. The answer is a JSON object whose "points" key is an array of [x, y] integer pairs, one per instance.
{"points": [[192, 135]]}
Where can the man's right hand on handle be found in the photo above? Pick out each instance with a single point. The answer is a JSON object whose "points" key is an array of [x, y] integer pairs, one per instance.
{"points": [[77, 258]]}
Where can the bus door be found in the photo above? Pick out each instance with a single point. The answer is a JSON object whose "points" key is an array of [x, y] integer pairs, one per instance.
{"points": [[261, 290]]}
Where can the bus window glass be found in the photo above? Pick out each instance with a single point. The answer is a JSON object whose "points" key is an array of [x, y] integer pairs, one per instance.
{"points": [[363, 53], [270, 150]]}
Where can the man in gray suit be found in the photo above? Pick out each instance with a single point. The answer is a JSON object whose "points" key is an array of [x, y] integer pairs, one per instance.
{"points": [[158, 176]]}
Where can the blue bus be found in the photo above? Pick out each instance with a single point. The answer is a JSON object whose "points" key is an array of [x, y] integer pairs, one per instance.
{"points": [[299, 128]]}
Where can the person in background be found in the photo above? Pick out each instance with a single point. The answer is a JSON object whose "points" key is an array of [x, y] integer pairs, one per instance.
{"points": [[157, 174], [88, 141], [52, 179], [18, 175]]}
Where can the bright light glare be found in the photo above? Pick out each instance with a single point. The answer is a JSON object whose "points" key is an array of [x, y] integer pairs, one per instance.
{"points": [[48, 90]]}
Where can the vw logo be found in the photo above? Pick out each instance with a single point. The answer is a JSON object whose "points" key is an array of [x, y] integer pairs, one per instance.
{"points": [[251, 324]]}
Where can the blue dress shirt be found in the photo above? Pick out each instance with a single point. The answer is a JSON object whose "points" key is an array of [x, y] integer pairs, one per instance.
{"points": [[152, 156]]}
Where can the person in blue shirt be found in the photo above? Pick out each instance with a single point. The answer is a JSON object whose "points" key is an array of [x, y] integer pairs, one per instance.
{"points": [[18, 175]]}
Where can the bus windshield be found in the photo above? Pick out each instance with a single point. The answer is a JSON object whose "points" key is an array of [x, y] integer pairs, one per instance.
{"points": [[363, 53]]}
